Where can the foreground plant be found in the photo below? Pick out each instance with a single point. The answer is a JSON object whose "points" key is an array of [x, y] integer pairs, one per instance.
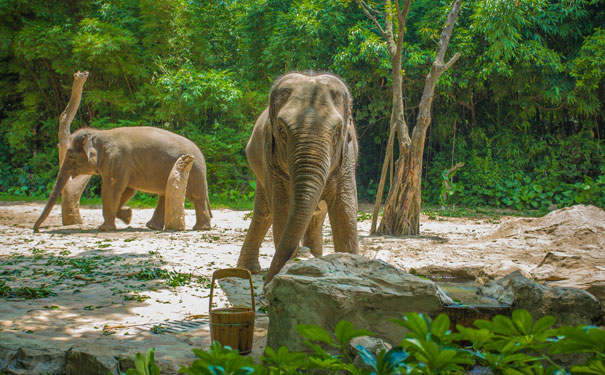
{"points": [[515, 345]]}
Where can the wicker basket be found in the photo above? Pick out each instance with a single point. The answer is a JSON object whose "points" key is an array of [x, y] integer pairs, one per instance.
{"points": [[233, 326]]}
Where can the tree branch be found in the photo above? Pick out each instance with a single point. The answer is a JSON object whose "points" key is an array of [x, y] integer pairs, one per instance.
{"points": [[402, 16], [446, 34], [451, 62], [366, 9]]}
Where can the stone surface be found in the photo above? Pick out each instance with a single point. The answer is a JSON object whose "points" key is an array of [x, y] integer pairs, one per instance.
{"points": [[29, 357], [30, 353], [597, 289], [93, 361], [339, 286], [570, 306]]}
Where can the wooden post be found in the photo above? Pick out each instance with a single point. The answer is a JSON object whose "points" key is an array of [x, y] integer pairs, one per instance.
{"points": [[70, 196], [176, 187]]}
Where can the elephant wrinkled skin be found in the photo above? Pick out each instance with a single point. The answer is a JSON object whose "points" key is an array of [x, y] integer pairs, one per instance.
{"points": [[303, 151], [130, 159]]}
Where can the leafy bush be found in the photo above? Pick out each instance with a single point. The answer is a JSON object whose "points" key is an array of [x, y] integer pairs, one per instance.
{"points": [[513, 345], [551, 172]]}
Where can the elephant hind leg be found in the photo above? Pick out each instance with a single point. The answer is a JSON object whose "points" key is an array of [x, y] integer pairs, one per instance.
{"points": [[125, 214], [203, 214], [157, 220], [313, 238], [261, 221]]}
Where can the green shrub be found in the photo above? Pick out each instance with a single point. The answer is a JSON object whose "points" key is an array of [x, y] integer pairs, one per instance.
{"points": [[513, 345]]}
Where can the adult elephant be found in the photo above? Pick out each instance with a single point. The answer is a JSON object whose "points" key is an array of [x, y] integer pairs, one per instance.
{"points": [[130, 159], [303, 151]]}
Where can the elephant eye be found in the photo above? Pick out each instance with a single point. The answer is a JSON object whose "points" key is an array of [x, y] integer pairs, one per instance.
{"points": [[282, 130]]}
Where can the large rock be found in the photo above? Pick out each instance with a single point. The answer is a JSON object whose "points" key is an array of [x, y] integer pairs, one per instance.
{"points": [[90, 360], [368, 293], [570, 306], [32, 360]]}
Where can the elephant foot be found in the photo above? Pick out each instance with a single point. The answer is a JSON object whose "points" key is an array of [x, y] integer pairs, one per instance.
{"points": [[252, 265], [154, 225], [202, 227], [107, 227], [125, 215]]}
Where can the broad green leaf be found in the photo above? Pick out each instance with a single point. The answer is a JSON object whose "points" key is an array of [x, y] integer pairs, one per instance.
{"points": [[315, 333], [543, 324], [440, 326], [345, 332], [523, 321]]}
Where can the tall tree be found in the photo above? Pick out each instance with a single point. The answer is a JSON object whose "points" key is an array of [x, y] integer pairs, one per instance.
{"points": [[402, 209]]}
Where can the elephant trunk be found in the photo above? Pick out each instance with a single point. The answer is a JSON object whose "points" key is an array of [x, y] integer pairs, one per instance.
{"points": [[62, 179], [309, 168]]}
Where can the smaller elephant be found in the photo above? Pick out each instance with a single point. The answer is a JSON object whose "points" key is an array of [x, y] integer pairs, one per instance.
{"points": [[303, 151], [130, 159]]}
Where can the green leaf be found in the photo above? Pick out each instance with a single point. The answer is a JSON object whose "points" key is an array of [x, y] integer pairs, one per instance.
{"points": [[315, 333], [593, 366], [523, 321], [543, 324], [345, 332], [415, 323], [440, 326]]}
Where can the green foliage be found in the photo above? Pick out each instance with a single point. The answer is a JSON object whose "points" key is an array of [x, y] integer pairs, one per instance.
{"points": [[505, 345], [522, 107], [26, 292], [144, 365], [219, 360], [556, 172]]}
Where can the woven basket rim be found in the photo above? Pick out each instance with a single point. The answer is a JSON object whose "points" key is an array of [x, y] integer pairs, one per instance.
{"points": [[234, 310]]}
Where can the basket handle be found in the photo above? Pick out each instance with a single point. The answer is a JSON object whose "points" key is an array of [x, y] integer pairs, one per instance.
{"points": [[242, 273]]}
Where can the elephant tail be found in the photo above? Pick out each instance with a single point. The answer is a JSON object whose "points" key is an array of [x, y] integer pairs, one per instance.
{"points": [[208, 203]]}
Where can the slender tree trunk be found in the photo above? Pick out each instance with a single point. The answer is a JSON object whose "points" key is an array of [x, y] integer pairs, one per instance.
{"points": [[402, 209], [70, 196], [398, 125]]}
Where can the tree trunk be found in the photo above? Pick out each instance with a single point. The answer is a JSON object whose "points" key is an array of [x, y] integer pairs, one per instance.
{"points": [[176, 187], [70, 196], [398, 125], [402, 209]]}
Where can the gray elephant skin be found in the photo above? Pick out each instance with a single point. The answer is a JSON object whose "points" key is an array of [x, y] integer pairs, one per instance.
{"points": [[130, 159], [303, 151]]}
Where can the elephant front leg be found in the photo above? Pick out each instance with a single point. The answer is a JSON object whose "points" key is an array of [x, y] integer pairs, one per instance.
{"points": [[157, 220], [125, 214], [111, 192], [261, 221], [313, 238], [342, 209]]}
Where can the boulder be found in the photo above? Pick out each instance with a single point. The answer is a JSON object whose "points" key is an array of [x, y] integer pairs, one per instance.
{"points": [[570, 306], [90, 361], [36, 359], [368, 293]]}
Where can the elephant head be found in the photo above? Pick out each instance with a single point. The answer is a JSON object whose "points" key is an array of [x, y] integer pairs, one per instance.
{"points": [[80, 159], [310, 132]]}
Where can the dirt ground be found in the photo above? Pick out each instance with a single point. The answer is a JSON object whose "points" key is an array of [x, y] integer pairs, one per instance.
{"points": [[139, 288]]}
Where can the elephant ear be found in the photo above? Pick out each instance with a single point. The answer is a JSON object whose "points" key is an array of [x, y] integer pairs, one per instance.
{"points": [[89, 150], [350, 132], [277, 98]]}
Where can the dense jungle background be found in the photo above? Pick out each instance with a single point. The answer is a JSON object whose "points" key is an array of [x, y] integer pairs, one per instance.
{"points": [[522, 107]]}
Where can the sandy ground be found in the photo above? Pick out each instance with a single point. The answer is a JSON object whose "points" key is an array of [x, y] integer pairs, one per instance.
{"points": [[101, 292]]}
